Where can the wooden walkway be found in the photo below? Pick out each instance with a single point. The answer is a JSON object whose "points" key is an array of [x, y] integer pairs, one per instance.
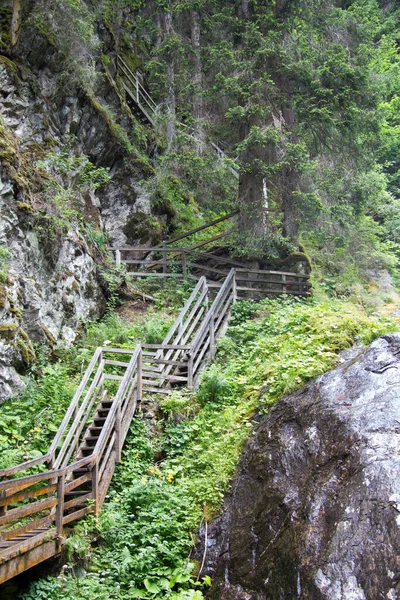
{"points": [[40, 498], [141, 99], [181, 262]]}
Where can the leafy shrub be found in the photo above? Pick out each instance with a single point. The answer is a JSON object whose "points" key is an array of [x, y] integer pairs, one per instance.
{"points": [[213, 386]]}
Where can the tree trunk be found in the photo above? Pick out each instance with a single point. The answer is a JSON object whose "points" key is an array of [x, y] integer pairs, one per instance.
{"points": [[197, 79], [251, 222], [170, 100], [15, 21]]}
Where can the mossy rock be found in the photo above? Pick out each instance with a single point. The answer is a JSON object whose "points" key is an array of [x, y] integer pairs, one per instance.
{"points": [[163, 206], [8, 331], [3, 297], [145, 228], [26, 351], [16, 312], [49, 336], [25, 207], [11, 67], [297, 257]]}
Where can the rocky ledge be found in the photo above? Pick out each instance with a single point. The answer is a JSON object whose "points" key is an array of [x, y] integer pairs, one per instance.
{"points": [[314, 511]]}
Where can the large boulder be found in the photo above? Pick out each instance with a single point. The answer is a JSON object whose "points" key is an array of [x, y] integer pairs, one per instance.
{"points": [[314, 512]]}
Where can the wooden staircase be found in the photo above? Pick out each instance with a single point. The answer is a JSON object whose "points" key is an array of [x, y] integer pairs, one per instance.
{"points": [[41, 497], [144, 107]]}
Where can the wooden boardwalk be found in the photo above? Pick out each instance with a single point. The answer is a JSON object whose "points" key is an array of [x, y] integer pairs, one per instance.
{"points": [[40, 498]]}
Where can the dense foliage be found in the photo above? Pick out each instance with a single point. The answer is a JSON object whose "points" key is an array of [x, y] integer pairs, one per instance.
{"points": [[173, 478]]}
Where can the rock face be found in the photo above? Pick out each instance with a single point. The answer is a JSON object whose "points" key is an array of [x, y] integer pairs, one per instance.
{"points": [[314, 512]]}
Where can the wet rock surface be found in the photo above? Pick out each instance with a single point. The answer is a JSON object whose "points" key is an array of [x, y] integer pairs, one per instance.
{"points": [[314, 511]]}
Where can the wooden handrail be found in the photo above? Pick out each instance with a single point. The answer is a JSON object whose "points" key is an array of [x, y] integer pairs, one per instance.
{"points": [[190, 343]]}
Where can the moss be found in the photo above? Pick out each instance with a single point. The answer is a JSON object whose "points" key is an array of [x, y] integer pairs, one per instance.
{"points": [[120, 135], [296, 257], [75, 286], [26, 351], [24, 206], [3, 297], [8, 331], [145, 228], [5, 24], [16, 312], [49, 336], [11, 67], [117, 132]]}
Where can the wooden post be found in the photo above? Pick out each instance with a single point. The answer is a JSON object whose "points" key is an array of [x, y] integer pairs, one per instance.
{"points": [[95, 488], [212, 337], [60, 506], [184, 264], [234, 288], [190, 371], [118, 433], [284, 288], [137, 89], [165, 257], [118, 258], [139, 384]]}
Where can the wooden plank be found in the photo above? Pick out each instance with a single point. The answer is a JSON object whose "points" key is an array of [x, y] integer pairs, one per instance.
{"points": [[264, 272], [163, 377], [78, 500], [21, 563], [71, 485], [112, 377], [152, 274], [116, 363], [24, 466], [156, 390], [77, 515], [282, 284], [25, 495], [24, 482], [7, 534], [26, 545], [28, 509], [270, 291], [164, 346]]}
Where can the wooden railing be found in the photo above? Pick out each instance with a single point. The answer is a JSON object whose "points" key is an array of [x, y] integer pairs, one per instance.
{"points": [[38, 498], [180, 262], [133, 87], [132, 84]]}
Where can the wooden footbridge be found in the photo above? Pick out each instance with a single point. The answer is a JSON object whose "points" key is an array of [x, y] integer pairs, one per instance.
{"points": [[40, 498]]}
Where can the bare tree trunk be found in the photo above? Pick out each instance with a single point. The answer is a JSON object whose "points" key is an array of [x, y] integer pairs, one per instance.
{"points": [[171, 99], [118, 26], [198, 112], [244, 9], [15, 21], [251, 220]]}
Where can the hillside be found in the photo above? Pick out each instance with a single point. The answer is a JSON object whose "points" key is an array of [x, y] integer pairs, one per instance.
{"points": [[129, 123]]}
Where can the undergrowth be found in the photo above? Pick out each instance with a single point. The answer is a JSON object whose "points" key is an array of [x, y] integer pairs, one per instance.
{"points": [[168, 483], [29, 421]]}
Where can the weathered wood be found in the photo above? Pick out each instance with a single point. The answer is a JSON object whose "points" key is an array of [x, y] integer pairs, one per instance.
{"points": [[24, 466], [153, 274], [28, 509], [27, 494], [60, 505], [164, 346], [75, 516]]}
